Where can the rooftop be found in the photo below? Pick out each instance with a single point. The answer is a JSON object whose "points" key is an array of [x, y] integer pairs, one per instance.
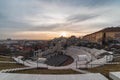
{"points": [[109, 29]]}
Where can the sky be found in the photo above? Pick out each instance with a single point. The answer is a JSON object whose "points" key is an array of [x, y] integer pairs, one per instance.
{"points": [[47, 19]]}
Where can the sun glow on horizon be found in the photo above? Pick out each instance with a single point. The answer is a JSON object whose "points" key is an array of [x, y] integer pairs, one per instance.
{"points": [[43, 35], [64, 34]]}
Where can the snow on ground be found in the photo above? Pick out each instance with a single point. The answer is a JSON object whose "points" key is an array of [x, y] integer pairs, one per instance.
{"points": [[90, 76], [29, 63], [92, 55], [75, 52]]}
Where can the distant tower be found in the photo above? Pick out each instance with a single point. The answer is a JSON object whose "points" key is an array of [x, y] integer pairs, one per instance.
{"points": [[104, 39]]}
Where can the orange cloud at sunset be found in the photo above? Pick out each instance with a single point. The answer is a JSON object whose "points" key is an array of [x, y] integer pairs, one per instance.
{"points": [[36, 35]]}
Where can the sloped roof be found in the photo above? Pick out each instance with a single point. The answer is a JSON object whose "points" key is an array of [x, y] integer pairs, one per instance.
{"points": [[109, 29]]}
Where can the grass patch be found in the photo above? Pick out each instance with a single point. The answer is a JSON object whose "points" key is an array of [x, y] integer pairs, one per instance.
{"points": [[10, 66], [105, 69], [47, 71], [116, 60], [6, 59]]}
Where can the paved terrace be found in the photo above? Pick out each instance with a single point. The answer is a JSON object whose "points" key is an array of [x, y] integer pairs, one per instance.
{"points": [[91, 76], [115, 75]]}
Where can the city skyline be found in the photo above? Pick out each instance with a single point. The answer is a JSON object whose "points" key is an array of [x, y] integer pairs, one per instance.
{"points": [[47, 19]]}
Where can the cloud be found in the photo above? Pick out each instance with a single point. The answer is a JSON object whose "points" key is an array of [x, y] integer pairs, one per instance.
{"points": [[74, 16], [44, 27], [80, 18]]}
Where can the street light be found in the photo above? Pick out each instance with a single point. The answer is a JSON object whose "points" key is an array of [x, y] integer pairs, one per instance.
{"points": [[36, 57], [36, 53], [76, 64]]}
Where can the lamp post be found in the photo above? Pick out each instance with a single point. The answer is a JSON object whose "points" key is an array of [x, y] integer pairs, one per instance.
{"points": [[37, 57], [76, 64], [38, 52]]}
